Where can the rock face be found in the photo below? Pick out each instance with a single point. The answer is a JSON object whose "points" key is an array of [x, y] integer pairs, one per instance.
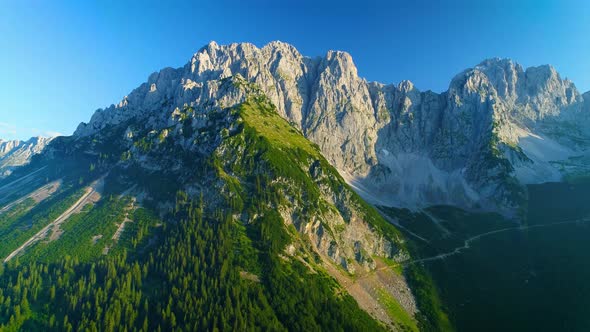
{"points": [[497, 127], [18, 153], [340, 229]]}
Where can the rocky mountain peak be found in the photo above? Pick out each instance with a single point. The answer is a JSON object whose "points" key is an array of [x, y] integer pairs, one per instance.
{"points": [[529, 95], [340, 64], [406, 86], [491, 76], [377, 134], [545, 82], [7, 146], [503, 74], [17, 153], [278, 46]]}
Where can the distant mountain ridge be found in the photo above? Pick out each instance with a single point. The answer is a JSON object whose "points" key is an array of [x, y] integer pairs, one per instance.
{"points": [[18, 153]]}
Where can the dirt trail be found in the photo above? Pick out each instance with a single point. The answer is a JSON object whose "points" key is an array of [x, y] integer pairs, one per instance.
{"points": [[38, 195], [121, 227], [467, 243], [90, 194], [93, 196]]}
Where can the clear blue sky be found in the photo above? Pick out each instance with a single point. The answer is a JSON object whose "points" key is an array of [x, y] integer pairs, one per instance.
{"points": [[61, 60]]}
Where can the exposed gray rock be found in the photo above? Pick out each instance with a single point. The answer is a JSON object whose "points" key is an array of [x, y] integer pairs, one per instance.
{"points": [[18, 153], [395, 144]]}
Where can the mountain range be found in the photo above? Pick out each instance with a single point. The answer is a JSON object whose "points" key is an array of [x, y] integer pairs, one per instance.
{"points": [[265, 184], [497, 127]]}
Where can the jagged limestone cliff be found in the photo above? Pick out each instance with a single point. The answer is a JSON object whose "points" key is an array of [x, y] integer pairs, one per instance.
{"points": [[497, 127]]}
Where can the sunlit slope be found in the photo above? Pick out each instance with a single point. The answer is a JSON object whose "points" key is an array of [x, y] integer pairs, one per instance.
{"points": [[254, 229]]}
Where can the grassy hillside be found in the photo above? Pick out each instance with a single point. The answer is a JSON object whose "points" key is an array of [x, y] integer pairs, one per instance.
{"points": [[224, 256]]}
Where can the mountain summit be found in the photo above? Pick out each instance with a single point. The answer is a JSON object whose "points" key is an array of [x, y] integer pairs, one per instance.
{"points": [[497, 127]]}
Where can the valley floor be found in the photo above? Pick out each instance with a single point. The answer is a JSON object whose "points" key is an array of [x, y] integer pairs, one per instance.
{"points": [[470, 240], [495, 275]]}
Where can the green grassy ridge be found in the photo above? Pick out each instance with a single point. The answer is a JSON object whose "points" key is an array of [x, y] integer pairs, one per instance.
{"points": [[262, 157], [195, 249], [289, 153], [262, 118], [268, 138]]}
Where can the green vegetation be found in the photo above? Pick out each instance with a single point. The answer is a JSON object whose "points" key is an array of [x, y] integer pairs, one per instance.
{"points": [[190, 280], [431, 317], [20, 227], [287, 154], [302, 299], [261, 117], [184, 275], [510, 280], [215, 263], [396, 311], [12, 215], [195, 289], [267, 138], [272, 149], [145, 144], [87, 234]]}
